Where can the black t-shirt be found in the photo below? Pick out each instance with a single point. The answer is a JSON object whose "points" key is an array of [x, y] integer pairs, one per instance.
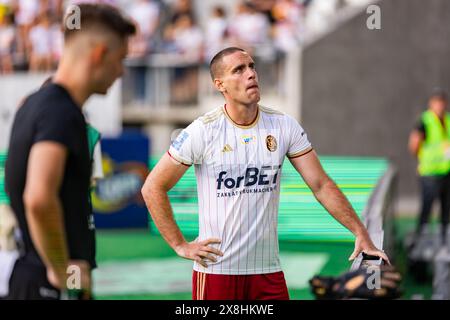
{"points": [[51, 115]]}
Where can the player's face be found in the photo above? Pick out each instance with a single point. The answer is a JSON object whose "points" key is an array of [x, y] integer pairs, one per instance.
{"points": [[111, 68], [239, 80]]}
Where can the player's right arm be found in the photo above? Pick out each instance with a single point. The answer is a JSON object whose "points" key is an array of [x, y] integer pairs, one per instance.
{"points": [[162, 178], [416, 138], [44, 212], [54, 139]]}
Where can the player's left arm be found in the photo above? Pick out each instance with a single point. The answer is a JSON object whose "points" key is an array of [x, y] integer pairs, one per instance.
{"points": [[335, 202]]}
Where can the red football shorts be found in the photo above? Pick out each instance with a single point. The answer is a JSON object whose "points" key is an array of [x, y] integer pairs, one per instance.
{"points": [[269, 286]]}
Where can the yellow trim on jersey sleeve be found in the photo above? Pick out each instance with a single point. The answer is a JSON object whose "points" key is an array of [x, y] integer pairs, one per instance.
{"points": [[299, 153], [178, 158]]}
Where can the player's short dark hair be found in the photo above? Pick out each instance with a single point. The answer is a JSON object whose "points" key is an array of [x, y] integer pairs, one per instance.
{"points": [[214, 65], [100, 16]]}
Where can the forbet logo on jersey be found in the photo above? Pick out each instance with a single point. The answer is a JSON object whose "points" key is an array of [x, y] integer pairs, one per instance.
{"points": [[253, 176]]}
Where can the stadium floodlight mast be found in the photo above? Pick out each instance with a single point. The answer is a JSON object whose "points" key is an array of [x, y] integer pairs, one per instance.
{"points": [[73, 17]]}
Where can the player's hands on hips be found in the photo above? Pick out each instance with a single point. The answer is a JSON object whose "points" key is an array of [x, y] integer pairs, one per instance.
{"points": [[364, 244], [199, 251], [59, 279]]}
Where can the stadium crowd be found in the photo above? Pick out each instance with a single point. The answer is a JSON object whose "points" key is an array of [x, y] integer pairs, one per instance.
{"points": [[31, 38]]}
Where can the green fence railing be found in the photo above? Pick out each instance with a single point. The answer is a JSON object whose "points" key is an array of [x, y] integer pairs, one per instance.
{"points": [[301, 217]]}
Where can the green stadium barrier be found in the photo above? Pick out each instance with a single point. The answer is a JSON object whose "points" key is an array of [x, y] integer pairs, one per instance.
{"points": [[301, 217]]}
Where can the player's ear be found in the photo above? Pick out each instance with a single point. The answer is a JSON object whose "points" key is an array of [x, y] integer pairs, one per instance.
{"points": [[219, 85], [98, 53]]}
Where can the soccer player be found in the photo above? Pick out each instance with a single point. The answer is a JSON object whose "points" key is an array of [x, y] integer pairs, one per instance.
{"points": [[48, 170], [238, 151]]}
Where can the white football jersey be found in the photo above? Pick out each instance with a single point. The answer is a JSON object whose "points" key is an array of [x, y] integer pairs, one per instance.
{"points": [[238, 171]]}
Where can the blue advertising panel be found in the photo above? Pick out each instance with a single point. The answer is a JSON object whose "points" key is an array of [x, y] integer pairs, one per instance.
{"points": [[116, 199]]}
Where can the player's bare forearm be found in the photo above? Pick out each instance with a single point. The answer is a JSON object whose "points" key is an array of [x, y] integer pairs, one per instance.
{"points": [[158, 204], [162, 178], [335, 202], [46, 224], [43, 208]]}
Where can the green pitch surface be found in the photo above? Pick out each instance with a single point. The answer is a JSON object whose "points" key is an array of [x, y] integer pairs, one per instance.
{"points": [[136, 264]]}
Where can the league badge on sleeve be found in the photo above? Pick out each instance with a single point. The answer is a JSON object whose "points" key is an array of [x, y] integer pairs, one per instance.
{"points": [[178, 142]]}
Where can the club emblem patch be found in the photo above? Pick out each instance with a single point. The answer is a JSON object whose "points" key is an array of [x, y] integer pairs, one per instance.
{"points": [[271, 143]]}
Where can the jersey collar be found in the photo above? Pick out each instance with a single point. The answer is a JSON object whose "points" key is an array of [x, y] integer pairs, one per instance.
{"points": [[251, 125]]}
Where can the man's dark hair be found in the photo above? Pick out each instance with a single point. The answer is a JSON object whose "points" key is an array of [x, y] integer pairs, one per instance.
{"points": [[215, 64], [101, 16], [439, 93]]}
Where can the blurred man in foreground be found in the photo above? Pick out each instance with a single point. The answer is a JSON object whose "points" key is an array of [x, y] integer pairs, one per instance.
{"points": [[48, 169]]}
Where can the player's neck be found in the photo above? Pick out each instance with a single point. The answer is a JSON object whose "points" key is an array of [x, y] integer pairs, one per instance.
{"points": [[242, 114], [71, 81]]}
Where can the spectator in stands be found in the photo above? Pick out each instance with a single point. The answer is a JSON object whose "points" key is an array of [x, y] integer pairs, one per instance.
{"points": [[250, 28], [145, 13], [288, 27], [256, 24], [188, 41], [55, 7], [430, 143], [181, 7], [110, 2], [26, 12], [5, 8], [188, 38], [7, 35], [216, 33], [265, 7], [57, 39], [41, 45]]}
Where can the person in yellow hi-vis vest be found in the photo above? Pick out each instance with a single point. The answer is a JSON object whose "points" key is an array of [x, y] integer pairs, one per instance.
{"points": [[430, 143]]}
